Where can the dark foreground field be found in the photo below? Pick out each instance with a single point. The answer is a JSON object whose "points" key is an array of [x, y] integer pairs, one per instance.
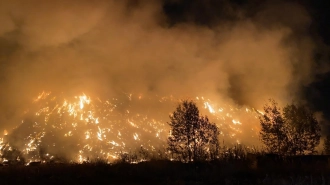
{"points": [[166, 172]]}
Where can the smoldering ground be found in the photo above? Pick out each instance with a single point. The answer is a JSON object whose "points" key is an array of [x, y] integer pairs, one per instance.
{"points": [[237, 53]]}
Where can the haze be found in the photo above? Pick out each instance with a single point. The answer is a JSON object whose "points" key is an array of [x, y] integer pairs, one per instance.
{"points": [[106, 48]]}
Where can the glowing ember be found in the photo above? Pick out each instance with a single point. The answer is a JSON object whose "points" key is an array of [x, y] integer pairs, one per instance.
{"points": [[82, 128]]}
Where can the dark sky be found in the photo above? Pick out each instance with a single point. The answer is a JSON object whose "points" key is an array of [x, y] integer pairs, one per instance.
{"points": [[318, 93], [210, 12]]}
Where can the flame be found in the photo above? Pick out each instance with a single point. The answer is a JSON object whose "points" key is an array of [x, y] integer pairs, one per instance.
{"points": [[208, 106], [5, 132], [93, 127], [260, 112], [42, 95], [83, 100], [236, 122]]}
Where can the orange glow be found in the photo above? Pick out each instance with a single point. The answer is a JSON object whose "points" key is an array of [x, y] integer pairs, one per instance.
{"points": [[101, 129]]}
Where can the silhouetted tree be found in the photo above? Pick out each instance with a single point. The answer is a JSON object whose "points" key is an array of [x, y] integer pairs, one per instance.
{"points": [[293, 131], [326, 145], [302, 128], [192, 137], [207, 143], [272, 128]]}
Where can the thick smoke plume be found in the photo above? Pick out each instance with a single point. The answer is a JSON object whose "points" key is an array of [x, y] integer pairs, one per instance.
{"points": [[106, 48]]}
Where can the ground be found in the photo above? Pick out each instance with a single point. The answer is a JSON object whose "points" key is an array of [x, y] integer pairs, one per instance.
{"points": [[166, 172]]}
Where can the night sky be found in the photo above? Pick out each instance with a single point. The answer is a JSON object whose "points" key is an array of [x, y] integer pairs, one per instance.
{"points": [[210, 13]]}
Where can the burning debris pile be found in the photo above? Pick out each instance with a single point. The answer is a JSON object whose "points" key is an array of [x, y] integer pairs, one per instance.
{"points": [[82, 128]]}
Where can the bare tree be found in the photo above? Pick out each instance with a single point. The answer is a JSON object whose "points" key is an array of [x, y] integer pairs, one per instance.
{"points": [[302, 129], [272, 128], [292, 131], [192, 137]]}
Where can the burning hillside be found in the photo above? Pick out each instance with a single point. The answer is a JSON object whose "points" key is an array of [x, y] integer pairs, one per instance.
{"points": [[105, 48], [82, 127]]}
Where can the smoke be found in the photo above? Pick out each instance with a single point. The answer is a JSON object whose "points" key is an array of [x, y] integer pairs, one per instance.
{"points": [[105, 48]]}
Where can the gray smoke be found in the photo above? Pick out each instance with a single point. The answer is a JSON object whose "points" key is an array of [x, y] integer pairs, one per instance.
{"points": [[103, 48]]}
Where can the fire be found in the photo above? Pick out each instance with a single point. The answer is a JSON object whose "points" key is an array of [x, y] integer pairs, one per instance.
{"points": [[85, 127], [208, 106], [136, 136], [236, 122], [42, 95], [260, 112], [87, 133], [83, 100]]}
